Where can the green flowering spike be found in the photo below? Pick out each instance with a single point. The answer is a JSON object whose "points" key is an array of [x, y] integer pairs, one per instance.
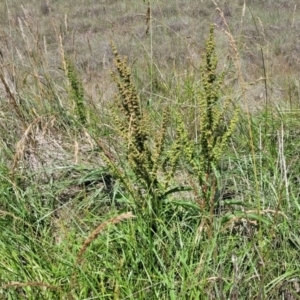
{"points": [[76, 92]]}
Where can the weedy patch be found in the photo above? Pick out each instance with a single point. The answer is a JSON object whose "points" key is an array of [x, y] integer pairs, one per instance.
{"points": [[211, 178], [151, 161]]}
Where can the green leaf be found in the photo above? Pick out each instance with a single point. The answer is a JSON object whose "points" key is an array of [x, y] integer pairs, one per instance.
{"points": [[248, 216], [183, 203], [177, 189]]}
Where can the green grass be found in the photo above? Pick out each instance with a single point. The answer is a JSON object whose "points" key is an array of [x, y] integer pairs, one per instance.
{"points": [[98, 201]]}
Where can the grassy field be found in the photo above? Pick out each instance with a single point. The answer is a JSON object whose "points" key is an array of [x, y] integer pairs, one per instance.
{"points": [[149, 150]]}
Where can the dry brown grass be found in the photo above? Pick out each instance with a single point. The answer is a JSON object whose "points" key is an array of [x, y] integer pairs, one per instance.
{"points": [[177, 31]]}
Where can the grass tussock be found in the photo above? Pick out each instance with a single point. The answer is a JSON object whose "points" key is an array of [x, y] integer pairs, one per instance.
{"points": [[180, 139]]}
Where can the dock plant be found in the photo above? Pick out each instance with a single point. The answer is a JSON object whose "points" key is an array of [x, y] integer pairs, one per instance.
{"points": [[151, 160]]}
